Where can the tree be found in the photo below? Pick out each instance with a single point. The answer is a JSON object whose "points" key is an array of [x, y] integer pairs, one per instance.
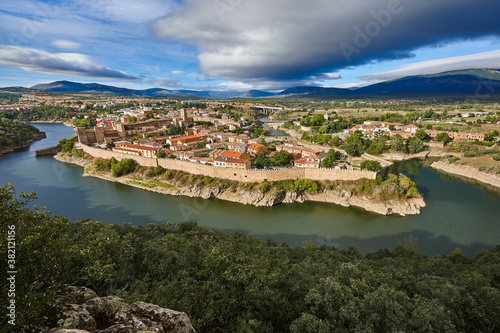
{"points": [[175, 130], [66, 145], [318, 120], [282, 158], [305, 136], [329, 159], [161, 154], [354, 144], [262, 161], [123, 167], [201, 145], [60, 252], [91, 122], [371, 165], [398, 144], [415, 146], [336, 141], [421, 134], [443, 137], [490, 135]]}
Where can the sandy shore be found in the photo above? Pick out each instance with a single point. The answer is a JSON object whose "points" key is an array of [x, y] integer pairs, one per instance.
{"points": [[65, 123]]}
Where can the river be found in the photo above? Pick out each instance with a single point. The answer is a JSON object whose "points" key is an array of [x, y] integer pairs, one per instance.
{"points": [[459, 214]]}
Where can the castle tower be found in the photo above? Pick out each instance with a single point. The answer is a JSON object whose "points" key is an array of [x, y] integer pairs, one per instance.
{"points": [[184, 114]]}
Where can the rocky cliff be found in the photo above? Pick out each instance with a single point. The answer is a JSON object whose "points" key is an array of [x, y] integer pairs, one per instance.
{"points": [[342, 197], [84, 312]]}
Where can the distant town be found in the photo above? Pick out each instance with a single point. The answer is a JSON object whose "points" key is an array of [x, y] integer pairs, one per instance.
{"points": [[239, 134]]}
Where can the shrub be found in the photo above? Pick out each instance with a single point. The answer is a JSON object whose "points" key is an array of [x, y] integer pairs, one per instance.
{"points": [[264, 187], [148, 173], [66, 145], [124, 167], [496, 157], [412, 192], [450, 158], [102, 165], [301, 185], [470, 153], [482, 168]]}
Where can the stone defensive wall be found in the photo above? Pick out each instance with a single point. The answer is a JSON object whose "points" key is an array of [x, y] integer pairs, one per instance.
{"points": [[151, 122], [247, 176]]}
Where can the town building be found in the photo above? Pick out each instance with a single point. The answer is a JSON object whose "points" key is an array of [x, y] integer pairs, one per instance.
{"points": [[256, 149], [312, 161]]}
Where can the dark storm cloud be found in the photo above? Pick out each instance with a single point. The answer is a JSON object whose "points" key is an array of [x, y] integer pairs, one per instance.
{"points": [[295, 39]]}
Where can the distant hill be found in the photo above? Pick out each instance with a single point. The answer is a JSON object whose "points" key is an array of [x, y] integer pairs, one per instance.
{"points": [[101, 89], [474, 83], [18, 89], [91, 88], [311, 91], [490, 74], [450, 84]]}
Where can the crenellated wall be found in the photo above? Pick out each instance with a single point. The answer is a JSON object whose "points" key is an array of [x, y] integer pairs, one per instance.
{"points": [[248, 176]]}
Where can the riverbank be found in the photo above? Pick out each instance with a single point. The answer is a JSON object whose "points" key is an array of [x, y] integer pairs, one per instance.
{"points": [[22, 145], [248, 195], [468, 172], [65, 123]]}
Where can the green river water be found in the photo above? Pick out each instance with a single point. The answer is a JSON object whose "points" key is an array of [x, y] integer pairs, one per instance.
{"points": [[459, 213]]}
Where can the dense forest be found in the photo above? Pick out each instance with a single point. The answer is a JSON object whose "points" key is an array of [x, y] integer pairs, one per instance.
{"points": [[42, 112], [236, 283], [13, 132], [9, 98]]}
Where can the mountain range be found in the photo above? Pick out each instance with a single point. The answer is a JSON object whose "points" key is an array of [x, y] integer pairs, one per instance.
{"points": [[474, 83]]}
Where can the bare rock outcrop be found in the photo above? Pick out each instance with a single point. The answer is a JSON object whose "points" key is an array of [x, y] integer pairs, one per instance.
{"points": [[89, 313], [255, 197], [468, 172]]}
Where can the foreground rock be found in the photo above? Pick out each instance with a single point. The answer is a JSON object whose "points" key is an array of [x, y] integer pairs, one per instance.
{"points": [[254, 197], [468, 172], [86, 312]]}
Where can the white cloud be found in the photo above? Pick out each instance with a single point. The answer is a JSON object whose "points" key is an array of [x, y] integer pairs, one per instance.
{"points": [[479, 60], [75, 64], [178, 72], [286, 40], [205, 78], [231, 85], [351, 85], [164, 81], [325, 77], [125, 10], [66, 44]]}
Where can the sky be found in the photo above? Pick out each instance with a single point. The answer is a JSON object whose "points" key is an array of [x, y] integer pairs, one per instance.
{"points": [[243, 44]]}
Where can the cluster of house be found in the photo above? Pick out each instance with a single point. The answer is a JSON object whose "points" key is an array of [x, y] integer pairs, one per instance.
{"points": [[303, 157], [458, 135], [199, 146], [225, 150], [186, 120], [373, 129]]}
